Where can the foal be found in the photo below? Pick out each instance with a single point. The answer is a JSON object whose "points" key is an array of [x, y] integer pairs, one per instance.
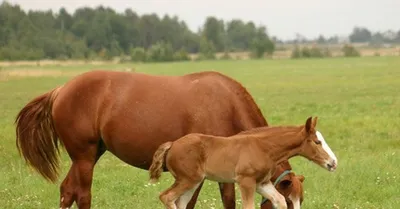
{"points": [[247, 159]]}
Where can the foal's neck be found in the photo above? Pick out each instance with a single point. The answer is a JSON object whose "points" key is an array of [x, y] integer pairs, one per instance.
{"points": [[281, 144]]}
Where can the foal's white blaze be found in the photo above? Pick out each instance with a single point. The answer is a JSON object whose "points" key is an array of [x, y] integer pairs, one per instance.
{"points": [[327, 150], [295, 201]]}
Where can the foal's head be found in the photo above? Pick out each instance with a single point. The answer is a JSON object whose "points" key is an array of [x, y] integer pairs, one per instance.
{"points": [[315, 147]]}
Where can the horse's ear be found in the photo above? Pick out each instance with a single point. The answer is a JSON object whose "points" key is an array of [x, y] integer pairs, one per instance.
{"points": [[300, 177], [314, 122], [308, 125]]}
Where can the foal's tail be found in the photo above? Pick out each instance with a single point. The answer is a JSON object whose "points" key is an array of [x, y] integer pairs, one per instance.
{"points": [[156, 167], [37, 140]]}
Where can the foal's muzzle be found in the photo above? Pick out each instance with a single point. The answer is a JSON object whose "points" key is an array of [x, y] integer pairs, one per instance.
{"points": [[332, 165]]}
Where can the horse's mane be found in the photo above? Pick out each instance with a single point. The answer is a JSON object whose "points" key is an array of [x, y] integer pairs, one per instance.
{"points": [[242, 93]]}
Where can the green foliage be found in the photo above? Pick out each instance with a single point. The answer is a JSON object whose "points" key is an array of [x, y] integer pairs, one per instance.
{"points": [[313, 52], [14, 54], [350, 51], [138, 54], [207, 50], [260, 46], [305, 52], [102, 33], [181, 55], [214, 32], [316, 52], [160, 52], [360, 34]]}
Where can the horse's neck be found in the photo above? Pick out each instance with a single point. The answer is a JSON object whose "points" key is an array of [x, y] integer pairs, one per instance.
{"points": [[282, 147]]}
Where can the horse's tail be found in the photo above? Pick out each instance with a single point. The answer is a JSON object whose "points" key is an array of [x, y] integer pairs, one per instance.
{"points": [[37, 139], [156, 167]]}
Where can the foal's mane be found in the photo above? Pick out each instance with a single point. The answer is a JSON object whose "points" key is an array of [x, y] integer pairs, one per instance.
{"points": [[272, 129]]}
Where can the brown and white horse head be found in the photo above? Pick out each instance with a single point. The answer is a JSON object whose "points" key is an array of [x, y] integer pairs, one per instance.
{"points": [[289, 185], [297, 195], [315, 148]]}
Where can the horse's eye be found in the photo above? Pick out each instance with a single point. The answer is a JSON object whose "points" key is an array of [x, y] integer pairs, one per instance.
{"points": [[318, 142]]}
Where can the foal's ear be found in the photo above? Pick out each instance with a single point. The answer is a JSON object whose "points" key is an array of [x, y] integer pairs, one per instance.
{"points": [[314, 122], [308, 125]]}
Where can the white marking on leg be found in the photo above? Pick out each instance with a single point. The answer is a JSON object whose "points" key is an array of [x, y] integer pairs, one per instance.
{"points": [[270, 192], [326, 147], [62, 199], [184, 199], [295, 200]]}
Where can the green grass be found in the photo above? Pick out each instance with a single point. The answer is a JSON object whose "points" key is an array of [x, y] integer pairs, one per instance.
{"points": [[357, 101]]}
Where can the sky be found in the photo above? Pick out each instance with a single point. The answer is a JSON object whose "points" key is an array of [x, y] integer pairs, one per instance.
{"points": [[283, 18]]}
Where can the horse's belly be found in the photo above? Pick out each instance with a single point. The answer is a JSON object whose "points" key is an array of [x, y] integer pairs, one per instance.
{"points": [[136, 151]]}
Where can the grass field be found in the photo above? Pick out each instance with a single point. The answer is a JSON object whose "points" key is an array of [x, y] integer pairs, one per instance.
{"points": [[357, 101]]}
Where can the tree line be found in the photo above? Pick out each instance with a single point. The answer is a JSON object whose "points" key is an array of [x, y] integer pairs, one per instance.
{"points": [[91, 33], [102, 32], [358, 35]]}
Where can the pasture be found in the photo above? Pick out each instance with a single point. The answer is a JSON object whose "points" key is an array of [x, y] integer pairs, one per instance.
{"points": [[357, 101]]}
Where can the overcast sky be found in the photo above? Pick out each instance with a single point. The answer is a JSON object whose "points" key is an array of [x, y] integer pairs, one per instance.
{"points": [[283, 18]]}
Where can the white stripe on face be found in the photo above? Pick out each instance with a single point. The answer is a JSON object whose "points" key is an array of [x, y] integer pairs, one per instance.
{"points": [[326, 147], [295, 201]]}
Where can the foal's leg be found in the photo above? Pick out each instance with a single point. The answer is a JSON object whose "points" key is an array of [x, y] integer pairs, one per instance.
{"points": [[268, 191], [227, 191], [247, 189], [195, 195], [183, 201], [77, 184], [179, 188]]}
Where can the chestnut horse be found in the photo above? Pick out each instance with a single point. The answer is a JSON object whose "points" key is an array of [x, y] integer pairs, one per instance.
{"points": [[130, 115], [247, 159]]}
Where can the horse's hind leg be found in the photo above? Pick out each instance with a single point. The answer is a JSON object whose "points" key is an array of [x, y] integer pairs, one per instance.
{"points": [[227, 191], [77, 184]]}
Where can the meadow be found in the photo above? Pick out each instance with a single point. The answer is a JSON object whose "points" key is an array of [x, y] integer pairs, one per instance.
{"points": [[357, 101]]}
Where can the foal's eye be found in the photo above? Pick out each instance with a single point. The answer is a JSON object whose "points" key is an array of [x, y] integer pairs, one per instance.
{"points": [[318, 142]]}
